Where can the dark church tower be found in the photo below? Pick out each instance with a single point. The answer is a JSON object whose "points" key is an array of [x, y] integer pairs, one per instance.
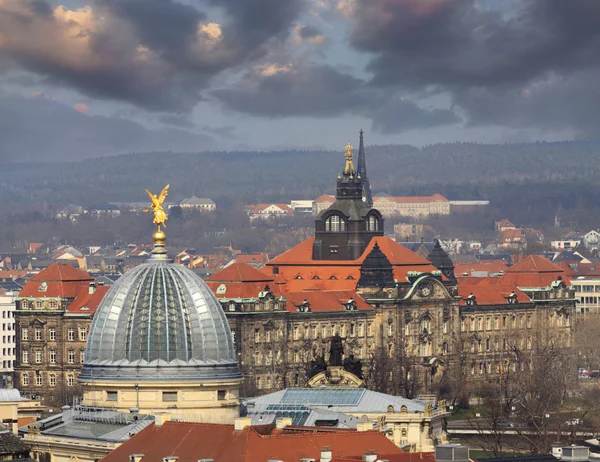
{"points": [[361, 171], [343, 231]]}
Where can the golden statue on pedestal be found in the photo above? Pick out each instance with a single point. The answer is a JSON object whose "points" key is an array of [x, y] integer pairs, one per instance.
{"points": [[160, 216], [349, 167]]}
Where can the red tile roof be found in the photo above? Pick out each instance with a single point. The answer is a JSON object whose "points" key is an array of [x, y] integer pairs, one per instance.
{"points": [[12, 274], [62, 280], [324, 198], [62, 272], [491, 266], [533, 271], [298, 269], [240, 272], [86, 303], [253, 258], [489, 291], [511, 235], [323, 302], [193, 441]]}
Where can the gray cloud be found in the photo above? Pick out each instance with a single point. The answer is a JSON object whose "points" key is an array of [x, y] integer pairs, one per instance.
{"points": [[324, 91], [156, 54], [40, 129], [535, 65]]}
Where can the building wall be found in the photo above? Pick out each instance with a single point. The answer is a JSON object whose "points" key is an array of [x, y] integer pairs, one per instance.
{"points": [[587, 293], [51, 349], [7, 336]]}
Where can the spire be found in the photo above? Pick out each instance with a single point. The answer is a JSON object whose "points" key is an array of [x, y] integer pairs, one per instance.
{"points": [[362, 171]]}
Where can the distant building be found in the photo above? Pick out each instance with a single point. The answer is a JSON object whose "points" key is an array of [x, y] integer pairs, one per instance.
{"points": [[7, 347], [105, 210], [410, 206], [53, 315], [302, 206], [587, 294], [71, 212], [266, 211], [202, 204], [591, 240], [467, 206], [505, 224], [565, 244]]}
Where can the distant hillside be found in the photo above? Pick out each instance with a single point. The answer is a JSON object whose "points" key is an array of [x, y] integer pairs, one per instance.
{"points": [[554, 173]]}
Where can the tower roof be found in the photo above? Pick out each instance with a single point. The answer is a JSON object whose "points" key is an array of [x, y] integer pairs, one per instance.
{"points": [[361, 171]]}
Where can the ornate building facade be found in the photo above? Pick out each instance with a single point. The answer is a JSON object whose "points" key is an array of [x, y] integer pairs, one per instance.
{"points": [[400, 313], [52, 319]]}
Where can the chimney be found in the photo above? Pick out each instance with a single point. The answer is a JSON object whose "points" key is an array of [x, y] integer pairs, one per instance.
{"points": [[135, 457], [364, 426], [160, 418], [451, 453], [575, 453], [283, 422], [326, 455], [369, 457], [242, 422], [92, 288]]}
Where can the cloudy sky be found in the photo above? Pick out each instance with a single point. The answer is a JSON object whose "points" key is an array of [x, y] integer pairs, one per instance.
{"points": [[83, 78]]}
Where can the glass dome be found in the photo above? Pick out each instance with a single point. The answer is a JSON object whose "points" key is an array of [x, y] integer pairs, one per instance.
{"points": [[160, 322]]}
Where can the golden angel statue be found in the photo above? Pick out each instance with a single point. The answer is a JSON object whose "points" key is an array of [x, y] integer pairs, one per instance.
{"points": [[160, 216], [349, 167]]}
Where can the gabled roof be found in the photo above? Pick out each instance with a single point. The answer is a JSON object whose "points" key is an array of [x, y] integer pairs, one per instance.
{"points": [[193, 441], [239, 272], [62, 272], [488, 291], [86, 303], [325, 198], [534, 264]]}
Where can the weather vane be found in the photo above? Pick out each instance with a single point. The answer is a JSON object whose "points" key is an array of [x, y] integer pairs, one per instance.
{"points": [[160, 216]]}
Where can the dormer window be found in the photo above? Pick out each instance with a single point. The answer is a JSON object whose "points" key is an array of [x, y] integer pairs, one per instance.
{"points": [[372, 223], [24, 304], [221, 289], [304, 307], [512, 299], [43, 287], [471, 300], [335, 224], [351, 305]]}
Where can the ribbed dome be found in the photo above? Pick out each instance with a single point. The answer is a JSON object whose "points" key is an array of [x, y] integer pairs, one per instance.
{"points": [[160, 322]]}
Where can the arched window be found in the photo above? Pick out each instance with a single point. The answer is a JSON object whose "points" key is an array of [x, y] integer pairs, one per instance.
{"points": [[372, 223], [335, 223]]}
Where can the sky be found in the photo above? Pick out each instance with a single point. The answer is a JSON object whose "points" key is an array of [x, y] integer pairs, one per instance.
{"points": [[89, 78]]}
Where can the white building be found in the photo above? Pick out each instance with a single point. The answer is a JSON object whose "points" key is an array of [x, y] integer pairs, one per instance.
{"points": [[565, 244], [302, 206], [592, 240], [7, 336], [587, 293], [203, 204]]}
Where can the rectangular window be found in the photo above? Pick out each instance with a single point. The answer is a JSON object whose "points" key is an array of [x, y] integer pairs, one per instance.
{"points": [[52, 380], [71, 356], [25, 379], [112, 395], [169, 396], [52, 356], [25, 356], [52, 332], [70, 380], [38, 380], [82, 356], [221, 395], [38, 357], [82, 334], [71, 335], [38, 333]]}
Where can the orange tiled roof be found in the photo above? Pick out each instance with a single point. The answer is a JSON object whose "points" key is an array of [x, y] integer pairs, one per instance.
{"points": [[252, 258], [192, 441], [86, 303], [298, 269], [12, 274], [492, 266], [62, 272], [239, 272], [505, 223], [511, 235], [327, 301], [325, 198], [490, 292], [533, 271], [62, 280]]}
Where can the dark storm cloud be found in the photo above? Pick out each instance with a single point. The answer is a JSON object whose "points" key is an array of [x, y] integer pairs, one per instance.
{"points": [[40, 129], [308, 32], [156, 54], [512, 67], [323, 91]]}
